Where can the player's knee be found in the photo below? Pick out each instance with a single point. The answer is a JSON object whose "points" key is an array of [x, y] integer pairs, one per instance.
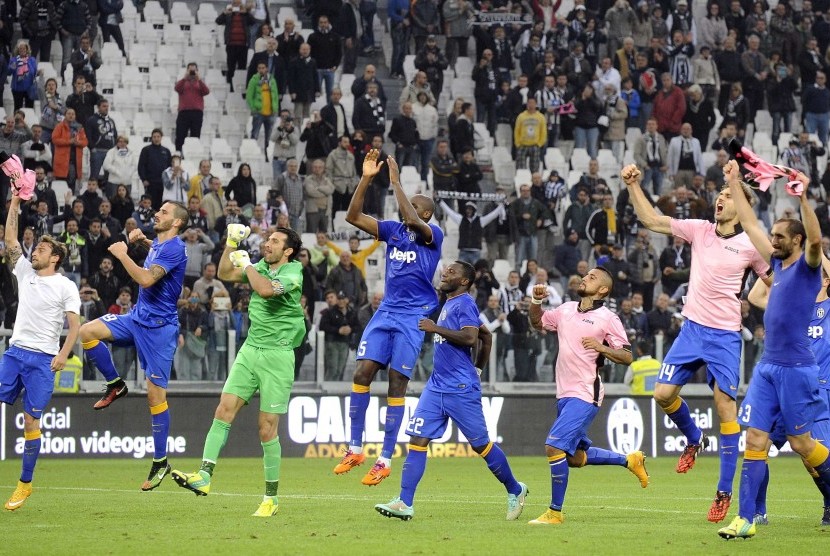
{"points": [[30, 423], [87, 332], [664, 396], [756, 441], [802, 444], [579, 459]]}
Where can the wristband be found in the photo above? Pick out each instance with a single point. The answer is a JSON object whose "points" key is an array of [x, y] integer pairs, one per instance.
{"points": [[536, 301]]}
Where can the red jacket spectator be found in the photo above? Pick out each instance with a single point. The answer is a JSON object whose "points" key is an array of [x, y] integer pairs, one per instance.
{"points": [[669, 109], [192, 92]]}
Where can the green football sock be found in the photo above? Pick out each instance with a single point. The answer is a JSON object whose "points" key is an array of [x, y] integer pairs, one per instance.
{"points": [[271, 460], [215, 440]]}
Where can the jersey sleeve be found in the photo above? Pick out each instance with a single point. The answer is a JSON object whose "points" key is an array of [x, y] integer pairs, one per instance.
{"points": [[23, 268], [169, 255], [437, 236], [760, 266], [615, 335], [291, 276], [550, 319], [386, 228], [468, 315], [71, 298], [686, 229]]}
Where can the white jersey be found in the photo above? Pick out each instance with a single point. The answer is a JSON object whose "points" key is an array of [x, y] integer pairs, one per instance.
{"points": [[43, 302]]}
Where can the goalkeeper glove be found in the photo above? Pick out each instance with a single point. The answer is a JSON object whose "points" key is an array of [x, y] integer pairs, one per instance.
{"points": [[237, 233], [241, 259]]}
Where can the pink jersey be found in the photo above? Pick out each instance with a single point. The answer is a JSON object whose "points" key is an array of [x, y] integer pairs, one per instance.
{"points": [[576, 367], [720, 266]]}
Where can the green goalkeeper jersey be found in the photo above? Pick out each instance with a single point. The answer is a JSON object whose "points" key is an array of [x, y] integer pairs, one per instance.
{"points": [[277, 322]]}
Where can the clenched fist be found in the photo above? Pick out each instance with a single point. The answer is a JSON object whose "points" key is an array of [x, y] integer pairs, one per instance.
{"points": [[630, 174], [237, 233]]}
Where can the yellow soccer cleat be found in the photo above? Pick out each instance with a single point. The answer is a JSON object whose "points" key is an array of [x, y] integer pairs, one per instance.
{"points": [[197, 483], [636, 463], [19, 496], [268, 508], [350, 461], [550, 517], [376, 474], [740, 528]]}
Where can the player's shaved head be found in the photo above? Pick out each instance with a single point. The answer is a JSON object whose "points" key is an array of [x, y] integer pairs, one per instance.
{"points": [[424, 206], [605, 277]]}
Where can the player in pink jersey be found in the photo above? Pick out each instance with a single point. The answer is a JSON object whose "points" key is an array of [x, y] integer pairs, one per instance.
{"points": [[588, 333], [722, 255]]}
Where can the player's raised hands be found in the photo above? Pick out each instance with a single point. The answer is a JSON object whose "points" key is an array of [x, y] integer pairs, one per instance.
{"points": [[426, 325], [540, 292], [137, 235], [119, 249], [394, 172], [371, 166], [805, 182], [630, 174], [731, 172]]}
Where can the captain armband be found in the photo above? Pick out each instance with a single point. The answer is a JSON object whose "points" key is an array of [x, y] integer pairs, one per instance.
{"points": [[279, 289], [536, 301]]}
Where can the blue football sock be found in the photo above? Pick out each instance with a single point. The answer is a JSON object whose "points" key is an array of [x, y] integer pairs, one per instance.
{"points": [[31, 449], [358, 402], [761, 499], [679, 413], [824, 488], [98, 352], [730, 434], [161, 426], [498, 466], [394, 417], [752, 474], [559, 480], [598, 456], [819, 460], [413, 470]]}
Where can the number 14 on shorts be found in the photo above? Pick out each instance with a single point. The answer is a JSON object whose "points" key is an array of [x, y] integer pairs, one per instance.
{"points": [[666, 372]]}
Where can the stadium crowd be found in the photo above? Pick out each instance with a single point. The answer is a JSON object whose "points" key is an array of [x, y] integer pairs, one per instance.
{"points": [[643, 79]]}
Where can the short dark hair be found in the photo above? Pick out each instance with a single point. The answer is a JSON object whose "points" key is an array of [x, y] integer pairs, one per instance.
{"points": [[180, 212], [157, 130], [465, 106], [101, 101], [794, 227], [468, 272], [292, 241], [57, 248]]}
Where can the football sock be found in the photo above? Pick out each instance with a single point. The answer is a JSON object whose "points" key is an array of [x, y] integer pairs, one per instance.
{"points": [[819, 460], [31, 449], [559, 480], [599, 456], [823, 487], [752, 473], [215, 440], [100, 355], [394, 416], [497, 464], [761, 499], [358, 402], [730, 433], [161, 426], [679, 413], [271, 460], [413, 470]]}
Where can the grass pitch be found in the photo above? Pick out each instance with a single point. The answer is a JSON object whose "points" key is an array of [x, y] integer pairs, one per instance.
{"points": [[85, 507]]}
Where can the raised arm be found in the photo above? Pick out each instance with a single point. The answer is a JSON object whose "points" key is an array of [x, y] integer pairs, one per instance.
{"points": [[492, 215], [226, 271], [145, 277], [749, 222], [812, 248], [13, 250], [451, 214], [645, 212], [355, 215], [410, 215]]}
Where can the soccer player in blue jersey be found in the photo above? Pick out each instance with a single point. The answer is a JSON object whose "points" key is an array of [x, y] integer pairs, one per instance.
{"points": [[392, 338], [453, 391], [152, 326], [785, 381]]}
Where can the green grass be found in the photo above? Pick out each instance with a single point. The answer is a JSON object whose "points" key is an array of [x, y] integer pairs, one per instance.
{"points": [[83, 507]]}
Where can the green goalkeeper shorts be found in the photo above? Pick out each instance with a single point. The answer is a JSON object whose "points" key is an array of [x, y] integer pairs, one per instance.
{"points": [[271, 371]]}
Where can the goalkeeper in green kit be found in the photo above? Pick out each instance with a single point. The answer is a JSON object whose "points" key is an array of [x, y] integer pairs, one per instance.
{"points": [[266, 360]]}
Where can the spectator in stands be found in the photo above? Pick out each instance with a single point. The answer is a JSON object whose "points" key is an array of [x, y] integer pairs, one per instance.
{"points": [[345, 277], [199, 247], [85, 60], [811, 152], [122, 204], [193, 327], [444, 168], [208, 285], [809, 63], [213, 203], [109, 225], [349, 27], [200, 181], [486, 86], [674, 262], [232, 215], [23, 71], [323, 256], [334, 117], [817, 108], [426, 123], [680, 53], [419, 84], [97, 243], [43, 192], [318, 196], [576, 218], [728, 62], [277, 64], [82, 100], [196, 216], [586, 126], [236, 19], [260, 26], [120, 165], [192, 92], [143, 214], [35, 152], [38, 23], [432, 62], [404, 133], [101, 133], [462, 136], [303, 83], [105, 283], [289, 185], [176, 181], [617, 112], [706, 75], [669, 107], [327, 52], [567, 255], [369, 114], [528, 214], [369, 76], [91, 198], [52, 106], [471, 228], [42, 221], [780, 90], [109, 18], [359, 255], [399, 29], [700, 114], [651, 156], [684, 157], [426, 20], [756, 70], [73, 20], [340, 169], [264, 102], [155, 158], [69, 140], [289, 41], [74, 265], [338, 321], [530, 137], [606, 74], [469, 174], [242, 189], [316, 138], [285, 138]]}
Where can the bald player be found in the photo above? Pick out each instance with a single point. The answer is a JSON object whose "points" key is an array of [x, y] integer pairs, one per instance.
{"points": [[392, 338]]}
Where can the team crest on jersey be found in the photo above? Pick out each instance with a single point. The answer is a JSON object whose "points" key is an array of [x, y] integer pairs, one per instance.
{"points": [[443, 315], [411, 235], [820, 312]]}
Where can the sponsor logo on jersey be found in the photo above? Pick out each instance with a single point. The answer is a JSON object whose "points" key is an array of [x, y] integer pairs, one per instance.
{"points": [[625, 426], [816, 331], [403, 256]]}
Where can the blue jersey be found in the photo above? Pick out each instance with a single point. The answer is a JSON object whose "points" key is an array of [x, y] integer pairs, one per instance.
{"points": [[410, 266], [157, 304], [454, 371], [820, 337], [790, 307]]}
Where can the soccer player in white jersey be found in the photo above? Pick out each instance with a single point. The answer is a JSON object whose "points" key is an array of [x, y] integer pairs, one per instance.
{"points": [[722, 255], [45, 299]]}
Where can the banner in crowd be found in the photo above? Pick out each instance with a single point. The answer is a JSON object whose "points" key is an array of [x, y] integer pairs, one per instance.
{"points": [[461, 196], [317, 426], [500, 18]]}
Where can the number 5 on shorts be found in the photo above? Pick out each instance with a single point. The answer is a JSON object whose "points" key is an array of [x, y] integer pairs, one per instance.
{"points": [[361, 349]]}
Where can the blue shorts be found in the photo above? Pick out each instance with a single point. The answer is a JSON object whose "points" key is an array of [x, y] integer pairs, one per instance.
{"points": [[821, 426], [569, 432], [696, 344], [393, 340], [22, 368], [435, 409], [155, 346], [788, 394]]}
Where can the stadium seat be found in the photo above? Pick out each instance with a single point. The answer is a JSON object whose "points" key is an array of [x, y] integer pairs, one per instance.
{"points": [[129, 12], [580, 160], [160, 81], [120, 122], [32, 117], [231, 131], [169, 58], [195, 54], [60, 187], [409, 67], [206, 14], [501, 154], [463, 67], [708, 158], [501, 268], [147, 34], [761, 139], [607, 161], [284, 13], [110, 58], [154, 13], [175, 38], [142, 56], [346, 81], [180, 14], [554, 160], [204, 37], [108, 77], [632, 135], [143, 127], [410, 174], [134, 81], [522, 177], [504, 135], [194, 149]]}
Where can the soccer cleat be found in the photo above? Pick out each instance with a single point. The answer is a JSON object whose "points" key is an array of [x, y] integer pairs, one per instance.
{"points": [[689, 455], [825, 519], [720, 507], [376, 474], [19, 496], [516, 503], [636, 463], [198, 483], [760, 519], [156, 476], [396, 508], [738, 529], [349, 462], [267, 508], [550, 517], [113, 392]]}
